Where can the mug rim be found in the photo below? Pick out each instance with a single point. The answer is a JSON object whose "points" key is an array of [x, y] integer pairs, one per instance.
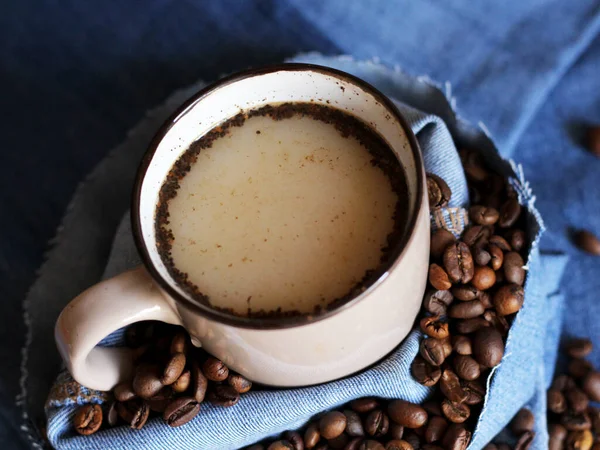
{"points": [[272, 323]]}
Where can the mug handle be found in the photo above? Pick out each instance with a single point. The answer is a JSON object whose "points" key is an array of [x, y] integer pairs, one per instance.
{"points": [[97, 312]]}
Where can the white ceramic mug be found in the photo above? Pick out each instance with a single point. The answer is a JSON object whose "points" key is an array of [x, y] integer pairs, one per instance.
{"points": [[292, 351]]}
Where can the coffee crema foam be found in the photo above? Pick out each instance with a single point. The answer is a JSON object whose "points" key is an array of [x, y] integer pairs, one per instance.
{"points": [[287, 209]]}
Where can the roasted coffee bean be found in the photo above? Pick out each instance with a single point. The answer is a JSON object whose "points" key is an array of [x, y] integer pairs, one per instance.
{"points": [[431, 447], [591, 386], [525, 441], [432, 407], [414, 440], [311, 435], [490, 446], [112, 416], [486, 300], [577, 400], [239, 383], [134, 412], [180, 411], [332, 424], [579, 368], [457, 437], [88, 419], [556, 401], [483, 215], [434, 327], [435, 429], [436, 302], [522, 422], [455, 412], [147, 380], [439, 278], [407, 414], [579, 348], [488, 347], [183, 382], [473, 165], [339, 442], [398, 444], [159, 402], [465, 292], [438, 190], [499, 242], [481, 256], [124, 391], [432, 351], [466, 367], [447, 346], [513, 268], [370, 445], [557, 434], [462, 345], [579, 440], [504, 447], [497, 257], [294, 438], [214, 369], [576, 422], [180, 343], [468, 326], [509, 213], [451, 388], [280, 445], [466, 310], [475, 391], [377, 423], [425, 373], [593, 140], [516, 239], [354, 444], [496, 321], [483, 278], [476, 236], [588, 242], [322, 446], [458, 263], [440, 239], [396, 431], [365, 404], [173, 369], [223, 395], [200, 383], [563, 382], [354, 427], [139, 334], [509, 299]]}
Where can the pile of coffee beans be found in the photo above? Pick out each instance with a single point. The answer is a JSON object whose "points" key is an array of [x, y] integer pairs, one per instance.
{"points": [[171, 378]]}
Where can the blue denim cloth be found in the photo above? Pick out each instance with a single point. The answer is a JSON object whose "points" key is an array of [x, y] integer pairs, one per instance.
{"points": [[259, 414]]}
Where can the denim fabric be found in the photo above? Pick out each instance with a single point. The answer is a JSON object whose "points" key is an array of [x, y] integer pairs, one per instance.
{"points": [[519, 379]]}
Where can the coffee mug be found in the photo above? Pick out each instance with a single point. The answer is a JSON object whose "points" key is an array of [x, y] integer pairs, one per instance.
{"points": [[275, 351]]}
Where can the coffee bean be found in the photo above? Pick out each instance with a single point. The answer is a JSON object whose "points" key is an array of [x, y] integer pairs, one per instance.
{"points": [[432, 408], [223, 395], [509, 213], [579, 368], [451, 388], [522, 422], [490, 446], [513, 268], [468, 326], [161, 400], [579, 348], [332, 424], [322, 446], [124, 391], [446, 345], [556, 401], [432, 351], [516, 239], [440, 239], [339, 442], [354, 427], [364, 404], [458, 263], [557, 434], [147, 380], [371, 445], [396, 431], [214, 369], [563, 382], [509, 299], [439, 278], [407, 414], [497, 257], [180, 343], [431, 447], [112, 416], [497, 322], [486, 300], [294, 438], [484, 278], [466, 367], [462, 345], [577, 400], [354, 444], [200, 383], [239, 383], [173, 369], [457, 437], [88, 419], [525, 441], [488, 347], [425, 373], [576, 422], [499, 242], [591, 386], [475, 391], [435, 429], [377, 423], [455, 412], [476, 236], [311, 436], [438, 190], [180, 411], [280, 445], [473, 165], [466, 310], [483, 215], [434, 327], [398, 444], [139, 334], [465, 292], [481, 256], [588, 242], [579, 440], [183, 382], [134, 412], [504, 447], [436, 302]]}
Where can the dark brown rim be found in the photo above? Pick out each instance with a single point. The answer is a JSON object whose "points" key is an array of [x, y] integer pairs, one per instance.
{"points": [[269, 322]]}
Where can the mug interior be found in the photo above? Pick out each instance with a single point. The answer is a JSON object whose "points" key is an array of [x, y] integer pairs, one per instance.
{"points": [[251, 90]]}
